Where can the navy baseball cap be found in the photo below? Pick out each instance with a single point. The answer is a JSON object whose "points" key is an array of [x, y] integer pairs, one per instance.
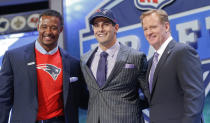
{"points": [[103, 13]]}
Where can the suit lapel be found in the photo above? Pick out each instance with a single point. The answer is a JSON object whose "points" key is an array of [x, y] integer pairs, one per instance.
{"points": [[66, 75], [86, 65], [162, 60], [30, 61], [119, 64]]}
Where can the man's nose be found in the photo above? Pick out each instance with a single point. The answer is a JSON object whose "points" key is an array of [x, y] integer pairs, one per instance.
{"points": [[149, 31], [101, 28], [48, 30]]}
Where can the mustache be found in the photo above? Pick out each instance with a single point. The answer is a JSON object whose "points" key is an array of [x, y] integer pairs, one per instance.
{"points": [[49, 35]]}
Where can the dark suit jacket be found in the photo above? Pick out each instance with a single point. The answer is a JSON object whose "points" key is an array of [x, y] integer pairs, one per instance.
{"points": [[18, 86], [117, 101], [178, 91]]}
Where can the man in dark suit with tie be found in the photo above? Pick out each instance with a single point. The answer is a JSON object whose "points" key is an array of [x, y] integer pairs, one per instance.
{"points": [[174, 74], [114, 73], [40, 82]]}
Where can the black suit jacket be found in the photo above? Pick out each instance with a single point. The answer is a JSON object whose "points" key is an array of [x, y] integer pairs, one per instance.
{"points": [[18, 86], [178, 91]]}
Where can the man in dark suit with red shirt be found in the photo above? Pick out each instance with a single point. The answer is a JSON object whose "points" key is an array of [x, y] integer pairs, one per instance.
{"points": [[40, 82]]}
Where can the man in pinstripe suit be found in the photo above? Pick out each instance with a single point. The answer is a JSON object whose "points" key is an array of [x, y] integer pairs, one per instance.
{"points": [[114, 96]]}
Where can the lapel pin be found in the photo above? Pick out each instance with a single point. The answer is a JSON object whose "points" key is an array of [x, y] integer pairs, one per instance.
{"points": [[169, 52]]}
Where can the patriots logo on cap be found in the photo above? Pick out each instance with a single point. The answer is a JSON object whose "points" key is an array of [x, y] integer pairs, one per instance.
{"points": [[151, 4], [52, 70], [105, 11]]}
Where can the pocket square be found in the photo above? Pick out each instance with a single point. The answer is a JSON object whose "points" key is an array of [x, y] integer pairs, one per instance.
{"points": [[129, 66], [73, 79], [30, 63]]}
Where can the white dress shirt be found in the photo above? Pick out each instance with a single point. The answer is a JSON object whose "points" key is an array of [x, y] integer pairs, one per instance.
{"points": [[163, 47], [112, 55]]}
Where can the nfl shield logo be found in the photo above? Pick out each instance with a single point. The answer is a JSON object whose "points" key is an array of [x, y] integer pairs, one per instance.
{"points": [[151, 4]]}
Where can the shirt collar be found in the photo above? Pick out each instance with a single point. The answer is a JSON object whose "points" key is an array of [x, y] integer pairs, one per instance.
{"points": [[43, 51], [163, 46], [111, 51]]}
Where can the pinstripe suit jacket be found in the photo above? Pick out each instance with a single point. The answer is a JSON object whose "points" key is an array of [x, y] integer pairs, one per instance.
{"points": [[117, 101]]}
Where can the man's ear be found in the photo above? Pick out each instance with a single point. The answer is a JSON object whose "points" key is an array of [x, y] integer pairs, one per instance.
{"points": [[61, 29], [167, 26], [116, 27]]}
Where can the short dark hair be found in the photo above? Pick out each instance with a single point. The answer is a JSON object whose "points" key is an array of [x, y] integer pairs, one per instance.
{"points": [[51, 12]]}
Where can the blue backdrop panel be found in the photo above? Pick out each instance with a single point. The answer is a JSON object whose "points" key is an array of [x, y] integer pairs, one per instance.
{"points": [[11, 41], [189, 19]]}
